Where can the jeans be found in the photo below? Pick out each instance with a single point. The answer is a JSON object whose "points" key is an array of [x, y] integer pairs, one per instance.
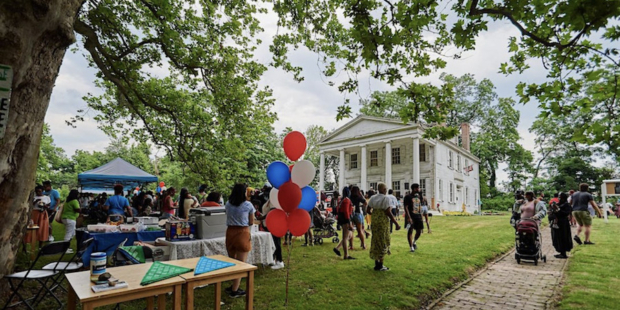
{"points": [[278, 252], [69, 228]]}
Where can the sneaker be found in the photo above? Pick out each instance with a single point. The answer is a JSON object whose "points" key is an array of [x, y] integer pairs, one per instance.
{"points": [[415, 246], [337, 252], [349, 257], [277, 265], [412, 249], [305, 244], [560, 256], [51, 238], [367, 235], [383, 269], [237, 293], [69, 251], [577, 239], [228, 290], [589, 242]]}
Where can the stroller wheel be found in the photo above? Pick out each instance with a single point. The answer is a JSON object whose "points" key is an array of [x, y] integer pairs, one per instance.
{"points": [[320, 241], [335, 240]]}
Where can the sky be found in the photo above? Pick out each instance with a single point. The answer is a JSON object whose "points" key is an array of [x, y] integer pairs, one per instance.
{"points": [[298, 105]]}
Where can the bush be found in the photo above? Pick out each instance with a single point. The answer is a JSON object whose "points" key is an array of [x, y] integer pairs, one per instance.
{"points": [[456, 213], [498, 203]]}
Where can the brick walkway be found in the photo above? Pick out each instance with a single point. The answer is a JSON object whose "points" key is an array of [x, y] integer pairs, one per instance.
{"points": [[508, 285]]}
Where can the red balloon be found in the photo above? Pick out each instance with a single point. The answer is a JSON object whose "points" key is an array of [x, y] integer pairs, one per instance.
{"points": [[276, 222], [161, 184], [298, 222], [289, 196], [294, 145]]}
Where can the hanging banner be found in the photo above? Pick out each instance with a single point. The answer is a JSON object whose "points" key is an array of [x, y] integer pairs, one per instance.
{"points": [[6, 79]]}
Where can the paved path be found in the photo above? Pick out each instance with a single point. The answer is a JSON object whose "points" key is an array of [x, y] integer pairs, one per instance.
{"points": [[508, 285]]}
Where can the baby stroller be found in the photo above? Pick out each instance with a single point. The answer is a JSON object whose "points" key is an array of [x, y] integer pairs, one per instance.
{"points": [[528, 241], [324, 228]]}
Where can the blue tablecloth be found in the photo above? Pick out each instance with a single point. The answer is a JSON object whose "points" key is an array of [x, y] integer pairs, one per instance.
{"points": [[108, 242]]}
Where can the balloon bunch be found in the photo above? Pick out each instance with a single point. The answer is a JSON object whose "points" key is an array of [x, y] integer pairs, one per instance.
{"points": [[291, 194]]}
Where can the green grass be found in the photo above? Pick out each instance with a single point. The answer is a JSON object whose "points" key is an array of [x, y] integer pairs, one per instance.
{"points": [[593, 274], [319, 279]]}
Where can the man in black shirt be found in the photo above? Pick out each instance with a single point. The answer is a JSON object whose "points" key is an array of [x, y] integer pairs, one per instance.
{"points": [[413, 214]]}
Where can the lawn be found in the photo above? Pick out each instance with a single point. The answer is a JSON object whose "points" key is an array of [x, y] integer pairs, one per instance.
{"points": [[593, 274], [319, 279]]}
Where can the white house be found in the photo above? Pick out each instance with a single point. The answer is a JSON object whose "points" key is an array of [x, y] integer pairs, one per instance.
{"points": [[375, 149]]}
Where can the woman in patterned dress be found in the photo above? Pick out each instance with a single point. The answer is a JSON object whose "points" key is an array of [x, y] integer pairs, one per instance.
{"points": [[381, 217]]}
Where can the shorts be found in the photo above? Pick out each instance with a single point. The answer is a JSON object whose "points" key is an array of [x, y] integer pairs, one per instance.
{"points": [[358, 218], [418, 224], [238, 240], [342, 219], [583, 218]]}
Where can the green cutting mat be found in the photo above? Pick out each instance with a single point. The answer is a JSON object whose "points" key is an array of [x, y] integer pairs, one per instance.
{"points": [[159, 272]]}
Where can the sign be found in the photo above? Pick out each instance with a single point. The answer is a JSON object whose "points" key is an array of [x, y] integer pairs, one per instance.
{"points": [[6, 79]]}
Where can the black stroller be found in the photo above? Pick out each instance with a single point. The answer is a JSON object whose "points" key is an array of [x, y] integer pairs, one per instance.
{"points": [[528, 241], [324, 228]]}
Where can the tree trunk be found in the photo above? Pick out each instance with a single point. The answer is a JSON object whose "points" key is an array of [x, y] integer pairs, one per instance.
{"points": [[34, 35]]}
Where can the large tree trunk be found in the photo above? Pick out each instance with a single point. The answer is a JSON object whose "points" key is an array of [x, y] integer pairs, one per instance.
{"points": [[34, 35]]}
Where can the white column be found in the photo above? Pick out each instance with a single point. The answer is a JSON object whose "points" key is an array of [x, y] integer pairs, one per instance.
{"points": [[364, 179], [388, 164], [341, 175], [322, 172], [604, 194], [416, 160]]}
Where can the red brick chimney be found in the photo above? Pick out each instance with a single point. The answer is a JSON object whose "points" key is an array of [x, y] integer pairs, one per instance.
{"points": [[465, 136]]}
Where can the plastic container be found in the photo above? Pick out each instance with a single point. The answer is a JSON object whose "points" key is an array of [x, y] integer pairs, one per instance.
{"points": [[102, 228], [146, 220], [129, 228], [98, 262]]}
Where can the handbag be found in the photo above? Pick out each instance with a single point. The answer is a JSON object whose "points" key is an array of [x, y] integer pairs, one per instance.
{"points": [[58, 216]]}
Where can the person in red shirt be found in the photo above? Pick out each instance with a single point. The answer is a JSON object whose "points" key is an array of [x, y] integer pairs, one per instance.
{"points": [[345, 209], [555, 199]]}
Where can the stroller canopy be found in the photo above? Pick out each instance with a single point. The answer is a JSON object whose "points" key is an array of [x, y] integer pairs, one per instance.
{"points": [[117, 171]]}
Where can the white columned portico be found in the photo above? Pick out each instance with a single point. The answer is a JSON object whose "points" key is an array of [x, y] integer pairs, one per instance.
{"points": [[341, 172], [364, 173], [322, 172], [416, 160], [388, 164]]}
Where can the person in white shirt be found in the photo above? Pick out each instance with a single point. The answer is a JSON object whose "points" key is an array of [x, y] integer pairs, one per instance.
{"points": [[393, 202]]}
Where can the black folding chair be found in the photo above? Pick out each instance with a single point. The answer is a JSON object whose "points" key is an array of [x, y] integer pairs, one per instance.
{"points": [[73, 265], [41, 276]]}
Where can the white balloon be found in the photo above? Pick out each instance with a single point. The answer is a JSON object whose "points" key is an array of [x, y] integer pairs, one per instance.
{"points": [[303, 173], [273, 198]]}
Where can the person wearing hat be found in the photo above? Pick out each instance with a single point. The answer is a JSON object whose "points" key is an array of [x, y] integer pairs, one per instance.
{"points": [[54, 202]]}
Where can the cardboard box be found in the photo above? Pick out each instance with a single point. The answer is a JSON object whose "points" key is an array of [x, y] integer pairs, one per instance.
{"points": [[180, 231]]}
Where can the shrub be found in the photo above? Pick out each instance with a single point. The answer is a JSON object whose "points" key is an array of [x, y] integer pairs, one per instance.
{"points": [[456, 213], [498, 203]]}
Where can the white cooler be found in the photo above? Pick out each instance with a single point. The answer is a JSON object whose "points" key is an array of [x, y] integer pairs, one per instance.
{"points": [[210, 222]]}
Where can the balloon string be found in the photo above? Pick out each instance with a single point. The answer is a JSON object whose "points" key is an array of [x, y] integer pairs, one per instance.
{"points": [[288, 267]]}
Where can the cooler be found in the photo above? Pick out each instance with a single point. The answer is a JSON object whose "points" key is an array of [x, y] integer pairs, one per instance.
{"points": [[210, 222]]}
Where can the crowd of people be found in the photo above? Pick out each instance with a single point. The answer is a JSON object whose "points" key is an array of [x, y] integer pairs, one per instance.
{"points": [[565, 210]]}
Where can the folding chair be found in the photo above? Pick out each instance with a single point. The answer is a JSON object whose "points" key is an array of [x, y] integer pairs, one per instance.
{"points": [[74, 264], [41, 276]]}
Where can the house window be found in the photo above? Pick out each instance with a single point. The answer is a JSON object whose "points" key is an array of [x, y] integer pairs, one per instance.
{"points": [[451, 194], [396, 185], [466, 166], [423, 187], [450, 159], [374, 160], [441, 190], [407, 186], [373, 186], [475, 197], [458, 163], [396, 156], [422, 152], [353, 161], [466, 195]]}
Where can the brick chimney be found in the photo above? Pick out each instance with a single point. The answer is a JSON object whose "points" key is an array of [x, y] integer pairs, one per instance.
{"points": [[465, 136]]}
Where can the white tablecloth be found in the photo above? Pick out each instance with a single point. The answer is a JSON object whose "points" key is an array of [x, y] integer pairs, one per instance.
{"points": [[261, 253]]}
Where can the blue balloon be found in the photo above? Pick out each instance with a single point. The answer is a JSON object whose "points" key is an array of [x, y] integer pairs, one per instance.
{"points": [[278, 173], [308, 198]]}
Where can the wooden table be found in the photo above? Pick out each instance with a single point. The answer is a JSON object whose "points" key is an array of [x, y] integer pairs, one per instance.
{"points": [[240, 270], [80, 289]]}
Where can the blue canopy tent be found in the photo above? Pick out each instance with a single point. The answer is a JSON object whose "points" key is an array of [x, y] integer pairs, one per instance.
{"points": [[117, 171]]}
